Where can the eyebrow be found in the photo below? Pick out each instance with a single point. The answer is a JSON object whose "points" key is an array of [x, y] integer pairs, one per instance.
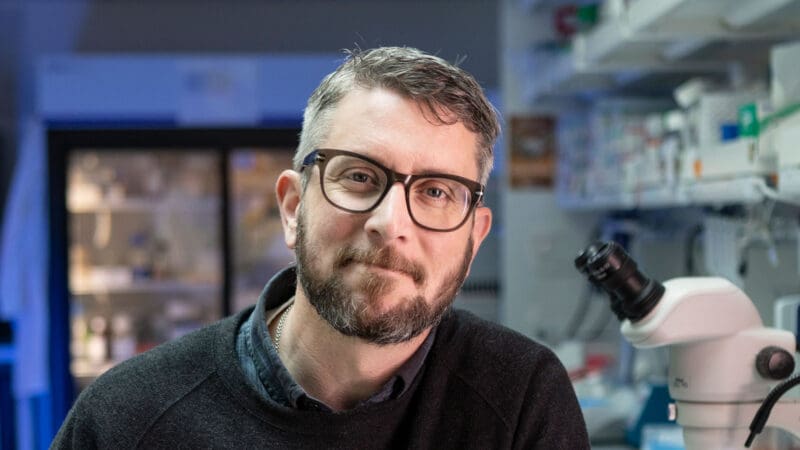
{"points": [[423, 173]]}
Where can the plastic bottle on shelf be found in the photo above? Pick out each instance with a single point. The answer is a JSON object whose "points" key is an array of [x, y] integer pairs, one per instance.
{"points": [[79, 267], [140, 258], [78, 334], [154, 182], [123, 341], [97, 344], [161, 263]]}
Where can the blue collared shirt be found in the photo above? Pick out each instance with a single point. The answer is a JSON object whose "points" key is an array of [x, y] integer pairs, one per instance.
{"points": [[264, 369]]}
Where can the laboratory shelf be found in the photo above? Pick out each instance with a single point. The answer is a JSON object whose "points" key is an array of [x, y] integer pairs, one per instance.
{"points": [[569, 73], [654, 43], [743, 190], [598, 202], [138, 205], [662, 197], [737, 158], [83, 370], [731, 172], [669, 30], [145, 287], [565, 74]]}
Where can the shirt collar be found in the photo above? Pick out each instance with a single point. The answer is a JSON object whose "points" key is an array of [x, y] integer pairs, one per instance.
{"points": [[274, 376]]}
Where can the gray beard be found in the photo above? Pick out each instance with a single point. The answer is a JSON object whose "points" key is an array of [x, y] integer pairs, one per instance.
{"points": [[337, 304]]}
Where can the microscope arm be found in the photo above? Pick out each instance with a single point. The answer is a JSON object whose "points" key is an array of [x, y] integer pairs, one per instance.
{"points": [[714, 334], [725, 426], [694, 309]]}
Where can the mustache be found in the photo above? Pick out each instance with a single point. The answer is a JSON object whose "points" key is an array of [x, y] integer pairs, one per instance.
{"points": [[386, 258]]}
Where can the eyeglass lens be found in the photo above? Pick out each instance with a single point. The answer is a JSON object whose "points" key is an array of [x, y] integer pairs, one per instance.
{"points": [[357, 185]]}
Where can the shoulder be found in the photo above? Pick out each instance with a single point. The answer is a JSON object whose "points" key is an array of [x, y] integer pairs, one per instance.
{"points": [[477, 345], [520, 380], [119, 406], [173, 362]]}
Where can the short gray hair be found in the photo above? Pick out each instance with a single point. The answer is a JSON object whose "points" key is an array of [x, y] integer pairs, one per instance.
{"points": [[448, 92]]}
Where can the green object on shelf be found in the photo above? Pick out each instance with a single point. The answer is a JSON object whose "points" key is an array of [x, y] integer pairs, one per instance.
{"points": [[748, 120], [587, 14]]}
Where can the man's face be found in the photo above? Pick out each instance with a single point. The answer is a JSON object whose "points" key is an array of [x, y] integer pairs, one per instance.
{"points": [[377, 275]]}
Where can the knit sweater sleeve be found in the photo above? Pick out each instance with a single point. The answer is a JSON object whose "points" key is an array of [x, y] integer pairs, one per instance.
{"points": [[116, 410], [75, 432], [551, 417]]}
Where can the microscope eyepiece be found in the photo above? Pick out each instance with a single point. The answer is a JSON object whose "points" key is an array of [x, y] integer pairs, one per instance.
{"points": [[607, 265]]}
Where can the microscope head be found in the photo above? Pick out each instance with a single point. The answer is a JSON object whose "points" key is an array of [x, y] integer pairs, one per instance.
{"points": [[679, 311], [608, 266]]}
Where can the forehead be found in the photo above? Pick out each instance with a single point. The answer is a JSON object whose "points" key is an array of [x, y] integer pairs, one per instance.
{"points": [[401, 134]]}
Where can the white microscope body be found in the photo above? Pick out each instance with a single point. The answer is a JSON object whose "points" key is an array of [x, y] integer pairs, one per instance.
{"points": [[714, 334], [723, 362]]}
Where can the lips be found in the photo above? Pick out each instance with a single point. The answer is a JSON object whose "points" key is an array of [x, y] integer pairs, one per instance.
{"points": [[385, 259], [385, 269]]}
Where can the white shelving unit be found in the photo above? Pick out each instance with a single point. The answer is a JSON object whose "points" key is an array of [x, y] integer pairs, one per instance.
{"points": [[663, 197], [736, 190], [666, 31], [744, 190], [666, 42], [655, 38], [739, 173]]}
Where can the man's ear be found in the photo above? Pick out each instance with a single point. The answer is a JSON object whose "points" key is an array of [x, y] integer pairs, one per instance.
{"points": [[288, 189], [480, 228]]}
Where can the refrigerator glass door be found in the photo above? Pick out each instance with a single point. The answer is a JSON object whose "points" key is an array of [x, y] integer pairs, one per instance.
{"points": [[258, 247], [145, 259]]}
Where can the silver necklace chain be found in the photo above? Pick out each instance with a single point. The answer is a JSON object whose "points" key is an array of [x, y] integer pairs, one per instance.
{"points": [[279, 329]]}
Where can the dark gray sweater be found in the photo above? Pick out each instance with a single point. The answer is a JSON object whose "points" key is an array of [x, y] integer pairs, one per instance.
{"points": [[482, 386]]}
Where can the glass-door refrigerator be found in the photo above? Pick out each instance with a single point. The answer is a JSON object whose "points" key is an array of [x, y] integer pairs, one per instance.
{"points": [[155, 233]]}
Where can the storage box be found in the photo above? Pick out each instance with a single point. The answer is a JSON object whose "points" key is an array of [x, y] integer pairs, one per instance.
{"points": [[717, 110], [784, 83]]}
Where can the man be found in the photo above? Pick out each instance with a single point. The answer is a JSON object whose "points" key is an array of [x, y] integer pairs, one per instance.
{"points": [[357, 347]]}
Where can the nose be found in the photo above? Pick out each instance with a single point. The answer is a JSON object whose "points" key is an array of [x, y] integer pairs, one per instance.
{"points": [[390, 219]]}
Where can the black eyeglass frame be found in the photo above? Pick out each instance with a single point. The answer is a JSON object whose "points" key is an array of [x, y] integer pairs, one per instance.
{"points": [[321, 156]]}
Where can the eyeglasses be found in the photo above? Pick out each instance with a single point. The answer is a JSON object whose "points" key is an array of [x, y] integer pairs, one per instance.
{"points": [[357, 184]]}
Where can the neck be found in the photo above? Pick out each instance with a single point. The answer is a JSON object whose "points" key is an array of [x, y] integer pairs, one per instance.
{"points": [[336, 369]]}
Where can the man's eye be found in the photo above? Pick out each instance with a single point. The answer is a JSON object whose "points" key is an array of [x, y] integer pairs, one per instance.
{"points": [[359, 177], [358, 180], [434, 192]]}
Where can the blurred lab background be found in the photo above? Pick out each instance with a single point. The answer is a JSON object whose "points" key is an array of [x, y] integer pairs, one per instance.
{"points": [[140, 141]]}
